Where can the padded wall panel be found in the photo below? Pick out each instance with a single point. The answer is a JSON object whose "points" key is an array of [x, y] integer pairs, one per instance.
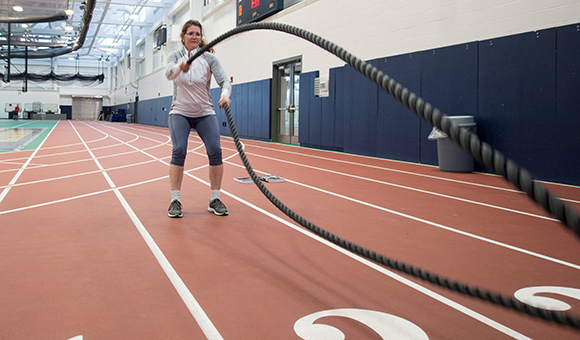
{"points": [[567, 138], [238, 108], [144, 115], [337, 86], [250, 109], [161, 110], [360, 113], [253, 113], [517, 112], [151, 111], [449, 83], [315, 113], [398, 127], [304, 97], [266, 114], [328, 117], [244, 115]]}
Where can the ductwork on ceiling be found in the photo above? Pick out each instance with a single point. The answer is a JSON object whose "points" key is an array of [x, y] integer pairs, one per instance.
{"points": [[54, 52]]}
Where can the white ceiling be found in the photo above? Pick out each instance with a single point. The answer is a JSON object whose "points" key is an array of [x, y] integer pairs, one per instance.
{"points": [[109, 19]]}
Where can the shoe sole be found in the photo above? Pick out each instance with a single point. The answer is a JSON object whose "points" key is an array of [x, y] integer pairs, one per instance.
{"points": [[175, 216], [217, 213]]}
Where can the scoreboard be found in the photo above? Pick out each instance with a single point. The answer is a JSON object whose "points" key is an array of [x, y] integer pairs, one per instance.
{"points": [[256, 10]]}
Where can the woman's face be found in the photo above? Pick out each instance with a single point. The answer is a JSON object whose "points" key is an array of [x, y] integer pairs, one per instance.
{"points": [[192, 37]]}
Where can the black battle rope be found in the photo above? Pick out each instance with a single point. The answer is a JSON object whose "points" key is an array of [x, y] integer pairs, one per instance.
{"points": [[481, 151]]}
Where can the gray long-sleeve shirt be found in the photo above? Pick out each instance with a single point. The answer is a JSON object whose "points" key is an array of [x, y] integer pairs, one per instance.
{"points": [[191, 90]]}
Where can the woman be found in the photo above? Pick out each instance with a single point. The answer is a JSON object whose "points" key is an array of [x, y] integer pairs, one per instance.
{"points": [[192, 109]]}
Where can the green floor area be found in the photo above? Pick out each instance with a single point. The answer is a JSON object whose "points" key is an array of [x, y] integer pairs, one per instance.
{"points": [[18, 135]]}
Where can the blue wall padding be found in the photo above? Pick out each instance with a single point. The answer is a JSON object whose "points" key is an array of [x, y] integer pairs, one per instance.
{"points": [[304, 98], [328, 115], [152, 111], [337, 91], [567, 122], [398, 130], [250, 109], [449, 83], [360, 113], [266, 125], [517, 106], [314, 107]]}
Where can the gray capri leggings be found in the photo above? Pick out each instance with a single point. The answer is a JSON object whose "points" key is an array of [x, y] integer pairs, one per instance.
{"points": [[207, 128]]}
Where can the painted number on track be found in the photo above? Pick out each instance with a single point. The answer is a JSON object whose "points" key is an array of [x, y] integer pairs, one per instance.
{"points": [[528, 295], [386, 325]]}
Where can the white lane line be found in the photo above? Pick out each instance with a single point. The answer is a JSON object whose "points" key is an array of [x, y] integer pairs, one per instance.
{"points": [[413, 173], [194, 307], [471, 313], [23, 167], [434, 224], [409, 188]]}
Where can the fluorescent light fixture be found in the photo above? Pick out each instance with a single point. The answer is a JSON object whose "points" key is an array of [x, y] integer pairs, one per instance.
{"points": [[122, 32], [134, 16], [18, 8], [24, 25], [69, 12], [68, 28], [114, 44], [71, 58]]}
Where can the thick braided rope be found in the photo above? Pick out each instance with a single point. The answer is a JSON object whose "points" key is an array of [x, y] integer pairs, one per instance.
{"points": [[485, 155]]}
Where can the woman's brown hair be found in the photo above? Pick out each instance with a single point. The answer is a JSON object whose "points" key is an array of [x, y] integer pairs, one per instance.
{"points": [[190, 23]]}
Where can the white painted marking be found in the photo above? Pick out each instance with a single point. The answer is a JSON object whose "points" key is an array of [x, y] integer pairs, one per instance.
{"points": [[387, 326], [485, 320], [409, 172], [528, 295], [441, 226], [413, 189], [194, 307]]}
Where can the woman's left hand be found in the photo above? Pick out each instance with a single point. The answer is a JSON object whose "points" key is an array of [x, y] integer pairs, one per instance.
{"points": [[224, 100]]}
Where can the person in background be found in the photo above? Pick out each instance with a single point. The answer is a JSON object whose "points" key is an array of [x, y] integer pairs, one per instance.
{"points": [[16, 112], [192, 108]]}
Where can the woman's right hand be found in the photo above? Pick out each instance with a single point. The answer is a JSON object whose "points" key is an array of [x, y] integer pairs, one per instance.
{"points": [[184, 66]]}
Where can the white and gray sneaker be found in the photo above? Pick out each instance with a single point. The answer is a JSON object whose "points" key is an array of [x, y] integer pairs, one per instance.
{"points": [[217, 207], [175, 209]]}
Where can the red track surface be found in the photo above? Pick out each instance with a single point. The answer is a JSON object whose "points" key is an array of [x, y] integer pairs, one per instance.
{"points": [[87, 249]]}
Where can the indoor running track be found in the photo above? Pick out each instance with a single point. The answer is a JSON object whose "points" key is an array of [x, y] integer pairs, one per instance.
{"points": [[87, 250]]}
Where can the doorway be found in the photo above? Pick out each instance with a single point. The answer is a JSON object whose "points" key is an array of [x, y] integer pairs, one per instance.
{"points": [[286, 89]]}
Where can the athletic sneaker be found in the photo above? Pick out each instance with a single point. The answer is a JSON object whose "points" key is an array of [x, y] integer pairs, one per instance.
{"points": [[217, 207], [175, 209]]}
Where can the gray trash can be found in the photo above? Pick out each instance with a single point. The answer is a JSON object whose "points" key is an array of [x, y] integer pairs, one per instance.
{"points": [[451, 156], [130, 118]]}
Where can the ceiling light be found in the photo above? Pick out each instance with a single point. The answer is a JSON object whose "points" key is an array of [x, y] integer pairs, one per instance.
{"points": [[114, 44], [24, 25], [69, 12], [133, 16], [18, 8], [71, 58], [68, 28], [122, 32]]}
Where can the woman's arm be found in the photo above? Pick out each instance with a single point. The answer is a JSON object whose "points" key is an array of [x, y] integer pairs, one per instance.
{"points": [[173, 66]]}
